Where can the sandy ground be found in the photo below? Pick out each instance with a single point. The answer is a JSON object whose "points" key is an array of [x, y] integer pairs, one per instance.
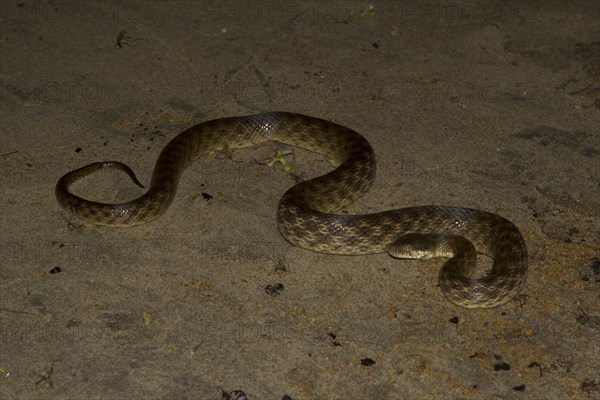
{"points": [[490, 105]]}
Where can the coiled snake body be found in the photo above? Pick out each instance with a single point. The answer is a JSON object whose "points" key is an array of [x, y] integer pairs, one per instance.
{"points": [[307, 212]]}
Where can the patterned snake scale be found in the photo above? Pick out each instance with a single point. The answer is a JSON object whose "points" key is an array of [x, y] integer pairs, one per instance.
{"points": [[307, 213]]}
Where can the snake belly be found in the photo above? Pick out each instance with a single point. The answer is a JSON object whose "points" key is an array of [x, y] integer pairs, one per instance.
{"points": [[307, 213]]}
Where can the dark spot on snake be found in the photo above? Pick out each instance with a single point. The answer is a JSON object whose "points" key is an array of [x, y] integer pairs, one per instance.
{"points": [[55, 270], [367, 362], [454, 320], [519, 388], [206, 196], [77, 150]]}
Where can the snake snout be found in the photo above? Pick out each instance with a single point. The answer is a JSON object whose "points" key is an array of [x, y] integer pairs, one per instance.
{"points": [[413, 246]]}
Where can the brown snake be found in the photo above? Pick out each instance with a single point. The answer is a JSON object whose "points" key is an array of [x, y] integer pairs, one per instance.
{"points": [[307, 213]]}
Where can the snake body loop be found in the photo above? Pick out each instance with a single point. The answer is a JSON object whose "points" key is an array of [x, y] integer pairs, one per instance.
{"points": [[307, 213]]}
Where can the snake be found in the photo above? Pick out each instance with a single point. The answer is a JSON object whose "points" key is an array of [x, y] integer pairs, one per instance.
{"points": [[313, 215]]}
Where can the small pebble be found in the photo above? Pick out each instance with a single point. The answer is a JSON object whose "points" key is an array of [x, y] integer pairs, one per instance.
{"points": [[501, 367], [274, 289], [233, 395], [367, 362]]}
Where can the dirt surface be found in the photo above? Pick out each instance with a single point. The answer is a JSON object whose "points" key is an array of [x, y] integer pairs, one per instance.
{"points": [[490, 105]]}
